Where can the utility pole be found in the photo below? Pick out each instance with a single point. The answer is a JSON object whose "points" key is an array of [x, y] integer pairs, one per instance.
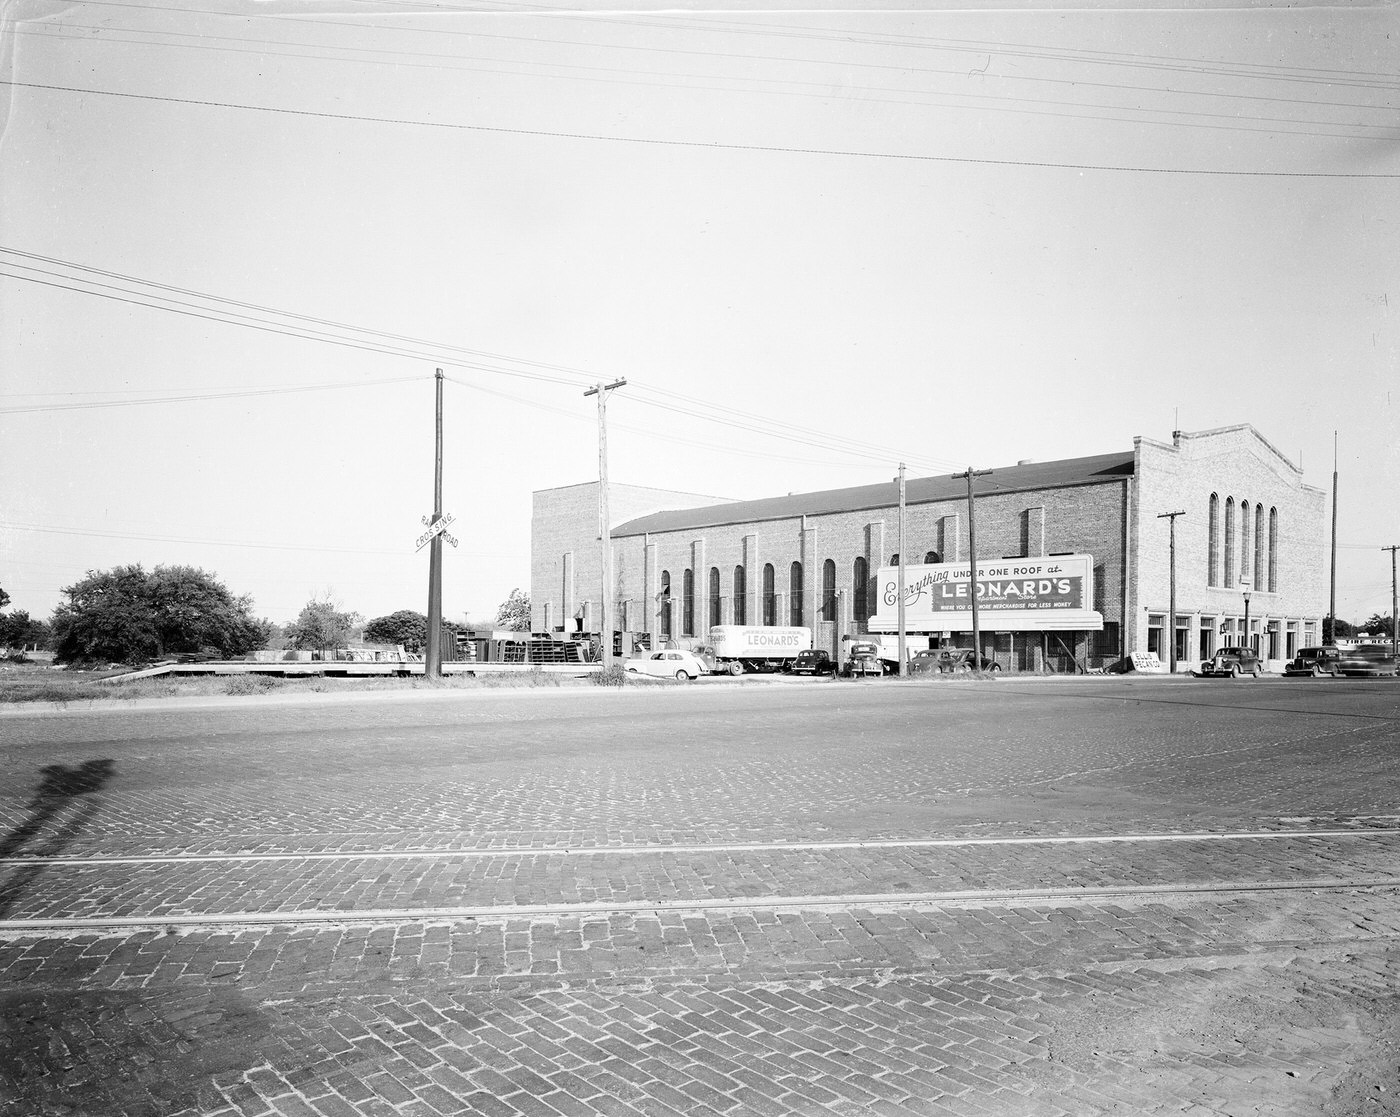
{"points": [[972, 564], [432, 660], [1171, 659], [1246, 586], [903, 654], [604, 525], [1394, 615], [1330, 636]]}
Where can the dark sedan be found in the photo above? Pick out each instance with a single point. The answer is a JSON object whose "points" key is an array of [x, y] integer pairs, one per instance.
{"points": [[1232, 663]]}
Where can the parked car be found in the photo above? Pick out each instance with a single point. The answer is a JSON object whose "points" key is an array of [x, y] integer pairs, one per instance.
{"points": [[925, 662], [1367, 659], [1232, 662], [669, 664], [863, 658], [813, 661], [958, 661], [1323, 660]]}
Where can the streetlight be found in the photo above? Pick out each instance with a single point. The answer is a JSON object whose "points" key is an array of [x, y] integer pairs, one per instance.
{"points": [[1245, 587]]}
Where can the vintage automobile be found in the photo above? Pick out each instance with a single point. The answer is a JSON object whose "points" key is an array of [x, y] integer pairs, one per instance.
{"points": [[1367, 659], [955, 661], [1232, 663], [813, 661], [668, 664], [925, 662], [863, 658], [1325, 659]]}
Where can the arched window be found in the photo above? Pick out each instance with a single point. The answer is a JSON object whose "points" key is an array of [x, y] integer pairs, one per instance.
{"points": [[1273, 550], [795, 594], [714, 596], [1261, 562], [860, 595], [741, 597], [933, 557], [770, 597], [688, 603], [665, 605], [1213, 542], [829, 590], [1246, 574], [1230, 542], [894, 559]]}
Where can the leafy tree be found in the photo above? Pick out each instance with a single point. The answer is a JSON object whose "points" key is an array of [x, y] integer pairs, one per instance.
{"points": [[18, 631], [321, 626], [127, 615], [4, 597], [1378, 623], [404, 627], [514, 613], [1334, 629]]}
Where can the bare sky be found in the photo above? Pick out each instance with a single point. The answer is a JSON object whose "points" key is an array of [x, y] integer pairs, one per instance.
{"points": [[816, 242]]}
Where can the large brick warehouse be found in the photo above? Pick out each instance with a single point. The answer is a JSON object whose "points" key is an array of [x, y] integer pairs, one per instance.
{"points": [[1073, 557]]}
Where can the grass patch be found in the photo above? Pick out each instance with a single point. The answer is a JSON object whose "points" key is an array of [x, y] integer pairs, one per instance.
{"points": [[35, 683]]}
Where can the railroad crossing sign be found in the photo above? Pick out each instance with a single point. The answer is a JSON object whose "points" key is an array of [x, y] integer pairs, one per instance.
{"points": [[436, 528]]}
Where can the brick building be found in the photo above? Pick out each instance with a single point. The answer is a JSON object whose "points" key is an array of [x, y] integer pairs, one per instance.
{"points": [[1092, 582]]}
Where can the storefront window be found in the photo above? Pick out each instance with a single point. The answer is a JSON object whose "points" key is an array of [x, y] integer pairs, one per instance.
{"points": [[1155, 646]]}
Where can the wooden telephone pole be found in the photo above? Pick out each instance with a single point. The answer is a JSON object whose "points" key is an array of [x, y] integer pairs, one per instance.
{"points": [[972, 564], [1394, 613], [432, 661], [1171, 621], [903, 639], [605, 624]]}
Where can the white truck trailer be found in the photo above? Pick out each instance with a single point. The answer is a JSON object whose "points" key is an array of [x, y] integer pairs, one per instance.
{"points": [[736, 648]]}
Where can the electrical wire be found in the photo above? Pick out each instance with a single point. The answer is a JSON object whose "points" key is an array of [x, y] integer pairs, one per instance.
{"points": [[770, 149], [89, 533], [189, 397], [396, 58], [426, 350]]}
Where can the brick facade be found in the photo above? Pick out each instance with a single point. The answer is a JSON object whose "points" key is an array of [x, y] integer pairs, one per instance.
{"points": [[1110, 514], [1288, 598]]}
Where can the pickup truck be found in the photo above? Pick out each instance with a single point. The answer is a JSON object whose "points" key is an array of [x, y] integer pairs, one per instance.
{"points": [[863, 658]]}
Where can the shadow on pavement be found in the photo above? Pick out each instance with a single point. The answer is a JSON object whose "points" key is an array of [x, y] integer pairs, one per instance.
{"points": [[61, 809]]}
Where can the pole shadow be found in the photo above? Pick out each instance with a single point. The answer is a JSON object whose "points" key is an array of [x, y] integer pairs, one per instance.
{"points": [[63, 805]]}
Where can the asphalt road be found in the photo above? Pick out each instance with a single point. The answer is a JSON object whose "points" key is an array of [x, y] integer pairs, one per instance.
{"points": [[1094, 896]]}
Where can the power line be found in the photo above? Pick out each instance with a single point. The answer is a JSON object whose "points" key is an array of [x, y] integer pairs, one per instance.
{"points": [[188, 397], [88, 533], [414, 347], [393, 57], [771, 149]]}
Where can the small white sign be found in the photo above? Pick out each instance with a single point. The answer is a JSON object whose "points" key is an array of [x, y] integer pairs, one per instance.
{"points": [[439, 527]]}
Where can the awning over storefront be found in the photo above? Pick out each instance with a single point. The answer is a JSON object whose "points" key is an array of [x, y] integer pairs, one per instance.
{"points": [[1053, 594]]}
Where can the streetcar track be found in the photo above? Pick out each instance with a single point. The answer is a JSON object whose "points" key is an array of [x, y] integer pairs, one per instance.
{"points": [[479, 853], [963, 898]]}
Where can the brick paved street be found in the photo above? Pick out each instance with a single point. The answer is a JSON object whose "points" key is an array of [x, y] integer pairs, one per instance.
{"points": [[1104, 896]]}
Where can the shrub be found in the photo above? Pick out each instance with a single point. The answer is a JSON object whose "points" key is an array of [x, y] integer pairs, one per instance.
{"points": [[612, 675], [249, 684]]}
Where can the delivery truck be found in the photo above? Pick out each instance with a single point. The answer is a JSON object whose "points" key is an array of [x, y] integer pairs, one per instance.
{"points": [[734, 649]]}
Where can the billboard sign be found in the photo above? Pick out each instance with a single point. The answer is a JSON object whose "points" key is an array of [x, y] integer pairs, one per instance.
{"points": [[1012, 594]]}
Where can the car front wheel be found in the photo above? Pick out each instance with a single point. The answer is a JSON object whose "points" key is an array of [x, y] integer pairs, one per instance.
{"points": [[1234, 670], [682, 677]]}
